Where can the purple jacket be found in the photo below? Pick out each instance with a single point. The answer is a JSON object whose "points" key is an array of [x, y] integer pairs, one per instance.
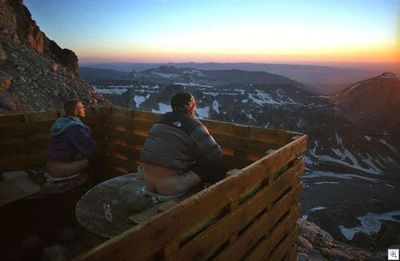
{"points": [[70, 137]]}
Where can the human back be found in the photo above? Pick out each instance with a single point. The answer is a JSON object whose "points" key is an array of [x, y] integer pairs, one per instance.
{"points": [[71, 146], [180, 153]]}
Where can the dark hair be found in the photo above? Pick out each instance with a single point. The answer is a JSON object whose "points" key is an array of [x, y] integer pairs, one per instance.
{"points": [[70, 106], [180, 101]]}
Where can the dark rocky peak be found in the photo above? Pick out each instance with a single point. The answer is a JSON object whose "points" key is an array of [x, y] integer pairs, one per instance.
{"points": [[384, 86], [388, 75], [377, 98], [35, 73], [16, 22]]}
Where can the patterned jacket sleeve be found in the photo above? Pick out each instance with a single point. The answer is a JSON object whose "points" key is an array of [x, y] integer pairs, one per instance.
{"points": [[207, 146]]}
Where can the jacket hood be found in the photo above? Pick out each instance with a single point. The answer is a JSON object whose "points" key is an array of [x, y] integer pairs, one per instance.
{"points": [[63, 123]]}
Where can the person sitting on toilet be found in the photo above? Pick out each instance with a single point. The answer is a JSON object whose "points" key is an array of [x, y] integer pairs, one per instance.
{"points": [[180, 153], [71, 149]]}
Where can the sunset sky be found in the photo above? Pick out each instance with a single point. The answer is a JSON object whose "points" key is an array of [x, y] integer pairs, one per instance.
{"points": [[286, 31]]}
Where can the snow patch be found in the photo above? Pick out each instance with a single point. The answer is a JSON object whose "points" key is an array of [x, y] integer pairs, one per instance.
{"points": [[317, 208], [213, 94], [318, 174], [193, 84], [370, 223], [308, 161], [203, 113], [166, 75], [139, 100], [240, 90], [346, 158], [354, 86], [389, 146], [248, 115], [162, 108], [215, 106], [110, 90], [325, 182]]}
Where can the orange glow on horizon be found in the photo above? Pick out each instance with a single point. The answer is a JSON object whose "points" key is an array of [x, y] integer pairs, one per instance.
{"points": [[370, 54]]}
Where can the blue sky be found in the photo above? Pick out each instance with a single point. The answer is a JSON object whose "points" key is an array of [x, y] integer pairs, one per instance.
{"points": [[206, 30]]}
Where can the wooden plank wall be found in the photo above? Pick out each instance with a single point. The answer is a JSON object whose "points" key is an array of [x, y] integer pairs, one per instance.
{"points": [[250, 215], [128, 129], [24, 137]]}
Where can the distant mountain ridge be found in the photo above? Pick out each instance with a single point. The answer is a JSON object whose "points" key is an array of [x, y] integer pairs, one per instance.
{"points": [[326, 80], [171, 74]]}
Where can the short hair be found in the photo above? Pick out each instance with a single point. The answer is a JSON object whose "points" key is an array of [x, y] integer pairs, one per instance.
{"points": [[70, 106], [180, 101]]}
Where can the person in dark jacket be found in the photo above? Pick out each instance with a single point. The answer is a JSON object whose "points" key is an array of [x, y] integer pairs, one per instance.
{"points": [[180, 152], [71, 148]]}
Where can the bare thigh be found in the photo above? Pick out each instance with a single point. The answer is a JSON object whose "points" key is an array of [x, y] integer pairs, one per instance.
{"points": [[175, 184], [58, 169]]}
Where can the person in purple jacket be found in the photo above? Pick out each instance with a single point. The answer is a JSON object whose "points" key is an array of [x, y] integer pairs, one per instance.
{"points": [[71, 148]]}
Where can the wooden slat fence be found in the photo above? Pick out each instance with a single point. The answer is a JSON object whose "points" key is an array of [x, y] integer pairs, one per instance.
{"points": [[250, 215], [24, 137]]}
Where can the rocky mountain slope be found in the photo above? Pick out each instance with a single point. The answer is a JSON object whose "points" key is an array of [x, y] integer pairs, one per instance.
{"points": [[373, 101], [35, 73]]}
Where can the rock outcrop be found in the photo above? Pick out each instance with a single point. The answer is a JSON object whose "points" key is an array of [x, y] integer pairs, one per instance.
{"points": [[35, 73], [317, 244]]}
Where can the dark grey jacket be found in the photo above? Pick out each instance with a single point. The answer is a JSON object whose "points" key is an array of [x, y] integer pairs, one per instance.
{"points": [[177, 141]]}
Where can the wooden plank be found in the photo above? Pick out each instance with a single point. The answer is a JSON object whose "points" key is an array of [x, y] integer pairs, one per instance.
{"points": [[120, 137], [143, 125], [119, 148], [144, 216], [286, 245], [235, 163], [292, 256], [119, 157], [6, 120], [248, 238], [23, 161], [146, 116], [279, 137], [24, 129], [116, 110], [118, 120], [37, 119], [42, 116], [265, 247], [131, 139], [16, 185], [240, 143], [285, 248], [140, 242], [117, 171], [204, 245]]}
